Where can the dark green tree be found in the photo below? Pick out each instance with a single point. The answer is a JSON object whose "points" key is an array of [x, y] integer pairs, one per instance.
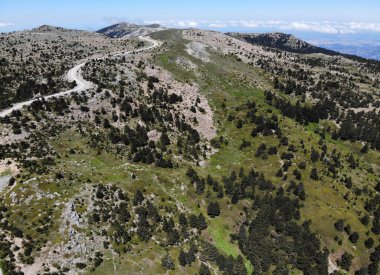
{"points": [[314, 174], [213, 209]]}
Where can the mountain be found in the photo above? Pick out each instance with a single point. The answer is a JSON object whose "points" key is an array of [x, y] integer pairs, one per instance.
{"points": [[290, 43], [192, 153], [124, 29], [282, 41]]}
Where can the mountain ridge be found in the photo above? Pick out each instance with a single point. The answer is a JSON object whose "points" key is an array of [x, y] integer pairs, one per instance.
{"points": [[291, 43], [279, 40], [124, 29]]}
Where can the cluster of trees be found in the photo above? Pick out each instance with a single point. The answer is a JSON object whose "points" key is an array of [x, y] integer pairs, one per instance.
{"points": [[341, 226], [345, 261], [302, 114], [187, 258], [263, 151], [373, 267], [302, 247], [372, 206], [7, 255], [360, 126], [59, 106], [18, 81], [227, 264], [280, 212], [264, 125], [113, 207], [354, 126], [157, 116], [290, 86], [34, 155], [235, 186], [167, 262], [162, 95]]}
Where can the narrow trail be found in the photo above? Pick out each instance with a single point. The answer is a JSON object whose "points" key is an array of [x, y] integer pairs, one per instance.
{"points": [[74, 75]]}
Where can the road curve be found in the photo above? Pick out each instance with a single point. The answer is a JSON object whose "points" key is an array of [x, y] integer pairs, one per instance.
{"points": [[74, 75]]}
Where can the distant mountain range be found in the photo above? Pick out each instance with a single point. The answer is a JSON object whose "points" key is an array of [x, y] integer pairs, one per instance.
{"points": [[282, 41], [124, 29], [366, 50], [290, 43]]}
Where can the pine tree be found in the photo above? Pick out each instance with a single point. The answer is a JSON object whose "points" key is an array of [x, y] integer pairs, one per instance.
{"points": [[202, 224], [345, 261], [314, 174], [139, 197], [182, 219], [213, 209], [239, 124], [182, 258], [364, 149], [354, 237], [204, 270], [369, 243], [314, 155], [167, 262], [352, 162]]}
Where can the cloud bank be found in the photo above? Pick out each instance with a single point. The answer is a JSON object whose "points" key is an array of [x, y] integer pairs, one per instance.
{"points": [[328, 27], [4, 24]]}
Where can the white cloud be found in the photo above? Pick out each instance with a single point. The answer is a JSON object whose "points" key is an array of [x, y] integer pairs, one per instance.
{"points": [[356, 26], [149, 22], [311, 26], [114, 19], [187, 24], [328, 27], [4, 24], [217, 25], [248, 24]]}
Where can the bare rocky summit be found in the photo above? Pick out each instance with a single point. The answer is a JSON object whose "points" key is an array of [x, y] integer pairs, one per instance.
{"points": [[124, 29]]}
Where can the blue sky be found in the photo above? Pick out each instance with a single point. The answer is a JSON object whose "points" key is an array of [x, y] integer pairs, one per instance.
{"points": [[329, 17]]}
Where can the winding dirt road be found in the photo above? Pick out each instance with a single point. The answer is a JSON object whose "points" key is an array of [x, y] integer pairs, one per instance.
{"points": [[74, 75]]}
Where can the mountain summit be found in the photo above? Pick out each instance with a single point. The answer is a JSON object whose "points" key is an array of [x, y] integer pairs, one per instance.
{"points": [[124, 29]]}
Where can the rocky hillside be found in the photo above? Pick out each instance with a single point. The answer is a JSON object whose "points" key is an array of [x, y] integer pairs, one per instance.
{"points": [[35, 62], [129, 30]]}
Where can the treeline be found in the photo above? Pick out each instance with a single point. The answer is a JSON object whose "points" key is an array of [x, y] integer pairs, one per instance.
{"points": [[361, 126]]}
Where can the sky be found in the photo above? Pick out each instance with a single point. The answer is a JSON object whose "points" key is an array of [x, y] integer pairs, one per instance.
{"points": [[318, 17]]}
